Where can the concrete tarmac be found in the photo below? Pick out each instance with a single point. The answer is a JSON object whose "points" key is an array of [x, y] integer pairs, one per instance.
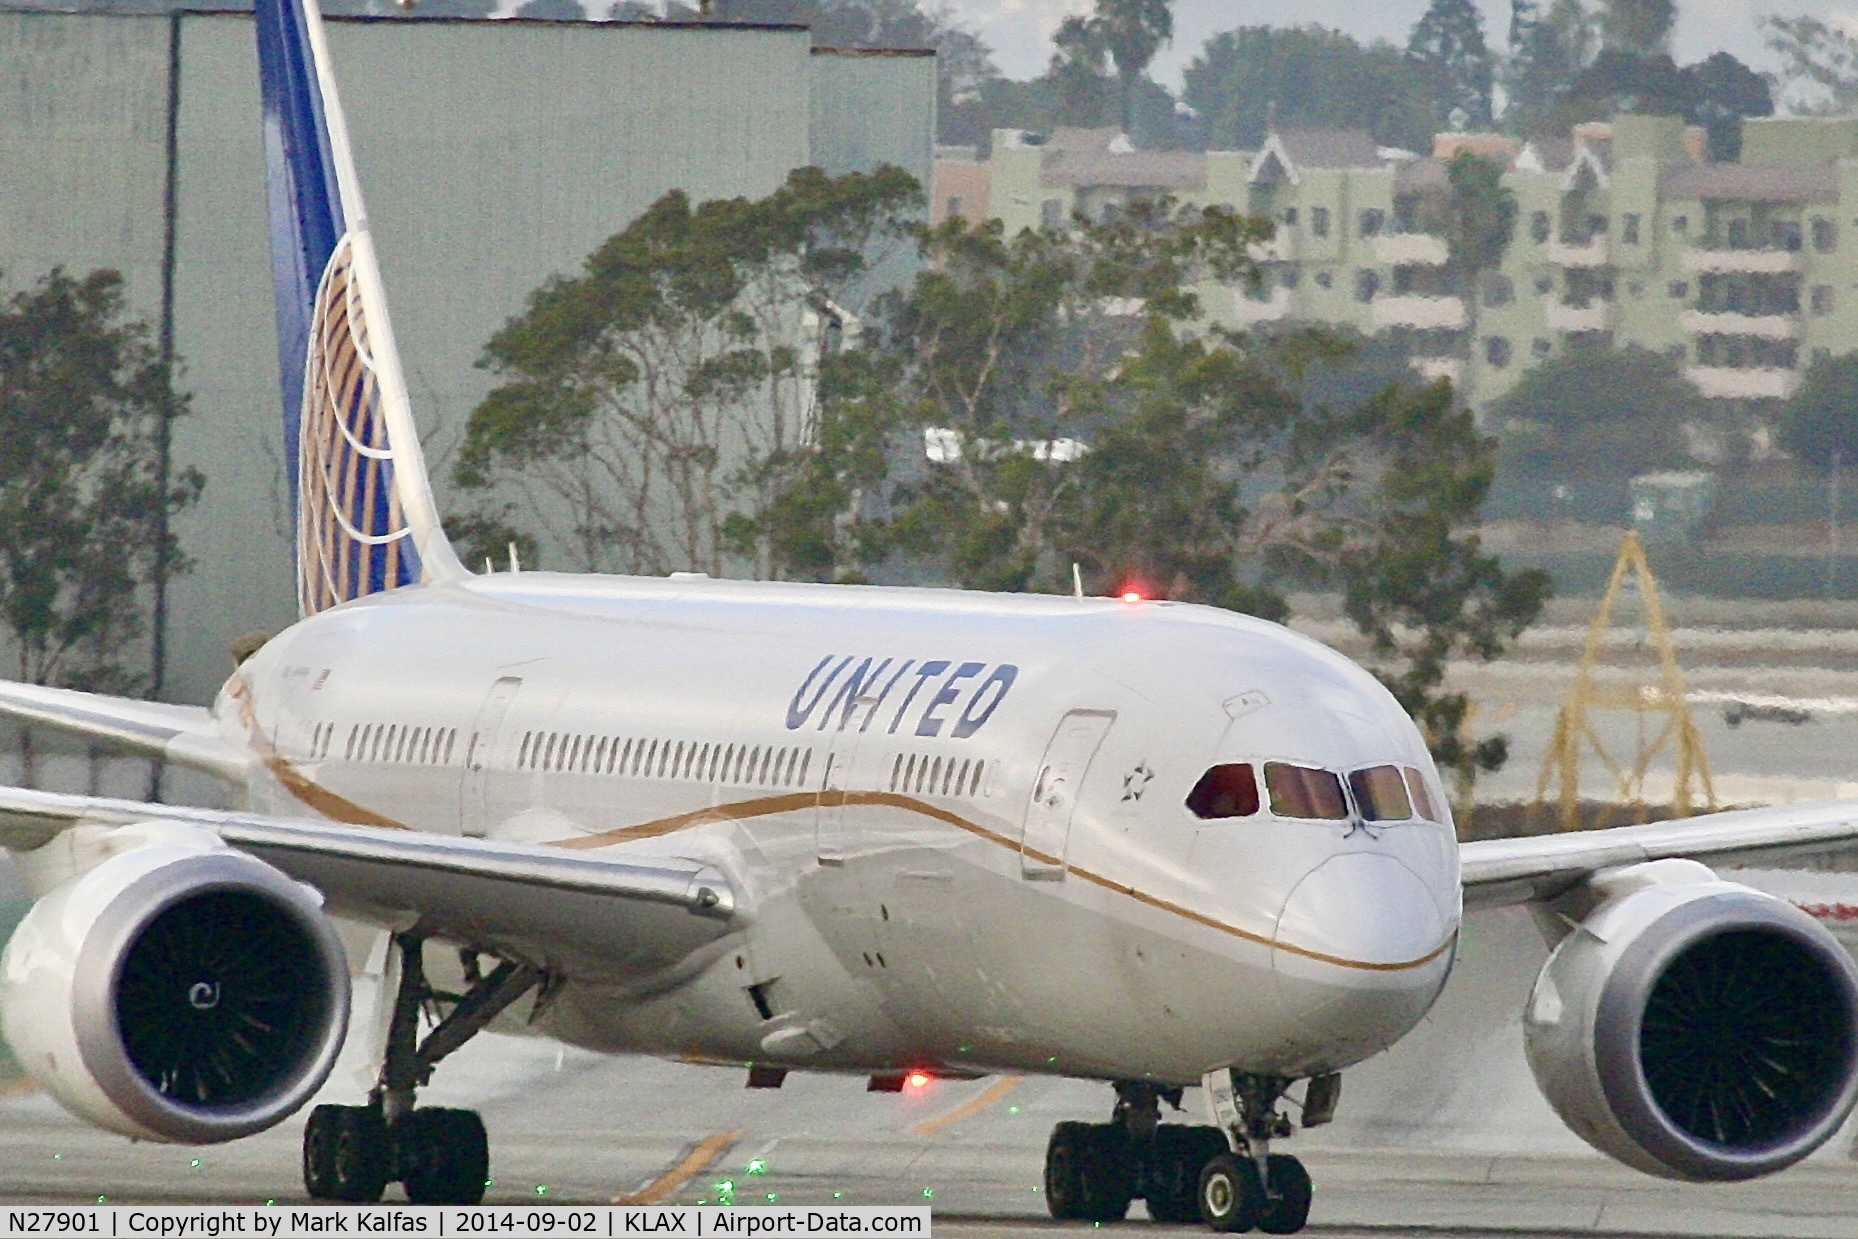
{"points": [[1443, 1135]]}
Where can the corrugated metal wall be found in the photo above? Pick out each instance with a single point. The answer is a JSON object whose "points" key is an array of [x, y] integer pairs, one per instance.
{"points": [[491, 154]]}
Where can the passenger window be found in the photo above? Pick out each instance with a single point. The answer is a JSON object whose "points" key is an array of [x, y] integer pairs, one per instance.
{"points": [[1304, 791], [1422, 796], [1225, 791], [1380, 794]]}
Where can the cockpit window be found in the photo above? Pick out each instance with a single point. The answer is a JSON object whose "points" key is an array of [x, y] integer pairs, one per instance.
{"points": [[1422, 796], [1380, 794], [1303, 791], [1225, 791]]}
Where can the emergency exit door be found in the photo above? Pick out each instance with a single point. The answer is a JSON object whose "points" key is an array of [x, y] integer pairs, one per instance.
{"points": [[1046, 836]]}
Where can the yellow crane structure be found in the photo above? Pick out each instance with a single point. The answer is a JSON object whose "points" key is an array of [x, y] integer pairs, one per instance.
{"points": [[1663, 711]]}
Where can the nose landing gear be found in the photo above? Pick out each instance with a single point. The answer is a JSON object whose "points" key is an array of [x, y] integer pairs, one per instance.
{"points": [[441, 1156], [1225, 1175]]}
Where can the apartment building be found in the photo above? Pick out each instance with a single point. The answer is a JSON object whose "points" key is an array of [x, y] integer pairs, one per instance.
{"points": [[1626, 235]]}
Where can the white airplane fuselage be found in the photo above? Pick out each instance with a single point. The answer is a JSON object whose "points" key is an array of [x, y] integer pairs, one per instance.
{"points": [[956, 824]]}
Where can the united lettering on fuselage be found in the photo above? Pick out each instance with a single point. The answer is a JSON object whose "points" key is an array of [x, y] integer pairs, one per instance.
{"points": [[966, 694]]}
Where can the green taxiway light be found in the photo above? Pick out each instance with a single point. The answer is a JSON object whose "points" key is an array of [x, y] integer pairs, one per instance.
{"points": [[194, 1163], [928, 1193], [756, 1167]]}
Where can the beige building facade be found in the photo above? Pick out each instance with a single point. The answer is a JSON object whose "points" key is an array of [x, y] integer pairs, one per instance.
{"points": [[1626, 235]]}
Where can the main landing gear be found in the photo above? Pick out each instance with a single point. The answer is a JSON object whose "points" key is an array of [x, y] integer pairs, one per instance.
{"points": [[441, 1156], [1225, 1175]]}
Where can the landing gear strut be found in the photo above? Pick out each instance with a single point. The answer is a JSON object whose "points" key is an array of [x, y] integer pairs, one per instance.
{"points": [[441, 1156], [1225, 1175]]}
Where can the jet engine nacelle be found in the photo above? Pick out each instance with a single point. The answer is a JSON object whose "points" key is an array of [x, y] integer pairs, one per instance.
{"points": [[1694, 1028], [177, 990]]}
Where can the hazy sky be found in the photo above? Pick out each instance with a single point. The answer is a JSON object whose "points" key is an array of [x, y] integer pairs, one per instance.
{"points": [[1019, 31]]}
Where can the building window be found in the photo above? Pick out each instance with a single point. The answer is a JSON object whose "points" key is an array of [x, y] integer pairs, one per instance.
{"points": [[1288, 277], [1738, 234], [1677, 290], [1538, 227], [1824, 238], [1822, 300], [1498, 290], [954, 208], [1497, 351], [1325, 280], [1544, 284], [1111, 212], [1787, 235], [1319, 221], [1290, 217], [1541, 347], [1629, 228], [1676, 352], [1367, 283], [1680, 223], [1051, 213], [1371, 221]]}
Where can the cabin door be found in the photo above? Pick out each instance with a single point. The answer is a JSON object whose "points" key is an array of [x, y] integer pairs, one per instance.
{"points": [[473, 812], [1046, 836]]}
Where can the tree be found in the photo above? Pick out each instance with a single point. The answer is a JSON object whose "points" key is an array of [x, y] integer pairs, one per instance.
{"points": [[1087, 415], [1132, 31], [1725, 92], [1819, 64], [1553, 426], [85, 401], [1819, 424], [1640, 27], [1308, 77], [1480, 220], [654, 409], [1546, 52], [1448, 42], [1077, 74], [552, 11]]}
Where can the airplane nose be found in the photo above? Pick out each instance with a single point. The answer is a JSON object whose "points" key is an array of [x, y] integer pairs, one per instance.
{"points": [[1361, 950]]}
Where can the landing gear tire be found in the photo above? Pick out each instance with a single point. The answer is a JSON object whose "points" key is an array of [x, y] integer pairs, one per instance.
{"points": [[442, 1156], [1231, 1197], [1288, 1207], [346, 1154], [1180, 1153], [1089, 1175]]}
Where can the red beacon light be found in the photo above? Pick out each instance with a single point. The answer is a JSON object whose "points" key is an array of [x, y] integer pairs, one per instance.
{"points": [[1133, 591], [917, 1079]]}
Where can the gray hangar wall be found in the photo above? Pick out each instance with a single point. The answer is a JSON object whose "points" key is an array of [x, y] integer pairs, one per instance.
{"points": [[492, 154]]}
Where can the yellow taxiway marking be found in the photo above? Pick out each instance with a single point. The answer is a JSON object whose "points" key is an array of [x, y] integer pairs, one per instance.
{"points": [[974, 1105], [17, 1088], [699, 1159]]}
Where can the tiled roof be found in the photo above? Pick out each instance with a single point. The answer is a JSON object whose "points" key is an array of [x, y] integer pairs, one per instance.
{"points": [[1737, 182], [1330, 148]]}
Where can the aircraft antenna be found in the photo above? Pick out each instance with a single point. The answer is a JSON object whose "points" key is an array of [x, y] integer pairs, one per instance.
{"points": [[1661, 710], [1077, 581]]}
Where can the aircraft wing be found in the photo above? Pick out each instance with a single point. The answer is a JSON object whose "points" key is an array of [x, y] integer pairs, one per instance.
{"points": [[186, 735], [543, 904], [1539, 867]]}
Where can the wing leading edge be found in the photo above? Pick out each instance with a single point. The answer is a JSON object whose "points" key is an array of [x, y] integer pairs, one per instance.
{"points": [[1541, 867], [185, 735], [541, 903]]}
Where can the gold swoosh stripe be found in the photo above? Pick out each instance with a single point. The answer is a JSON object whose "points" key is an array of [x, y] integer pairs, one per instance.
{"points": [[341, 809], [306, 790], [765, 806]]}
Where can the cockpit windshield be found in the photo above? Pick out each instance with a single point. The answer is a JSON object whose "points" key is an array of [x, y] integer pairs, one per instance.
{"points": [[1380, 793], [1304, 791], [1385, 793], [1225, 791]]}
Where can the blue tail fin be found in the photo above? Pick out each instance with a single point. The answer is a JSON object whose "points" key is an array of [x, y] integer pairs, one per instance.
{"points": [[365, 517]]}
